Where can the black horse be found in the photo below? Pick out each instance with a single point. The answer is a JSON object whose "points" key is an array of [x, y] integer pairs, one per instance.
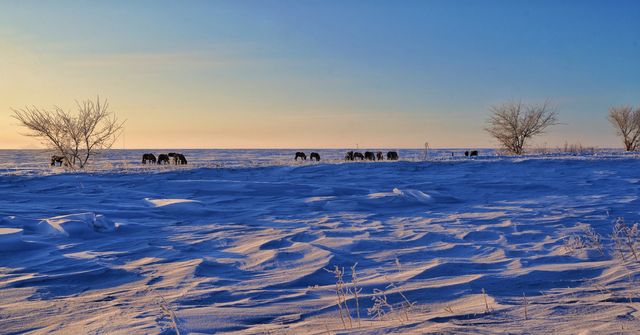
{"points": [[349, 156], [314, 155], [163, 159], [392, 156], [358, 156], [368, 155], [471, 153], [148, 158], [179, 159], [300, 155], [379, 156], [60, 160]]}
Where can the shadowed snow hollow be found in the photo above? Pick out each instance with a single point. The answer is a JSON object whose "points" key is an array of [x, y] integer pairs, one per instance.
{"points": [[76, 225]]}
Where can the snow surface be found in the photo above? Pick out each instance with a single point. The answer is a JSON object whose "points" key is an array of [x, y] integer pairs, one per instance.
{"points": [[227, 247]]}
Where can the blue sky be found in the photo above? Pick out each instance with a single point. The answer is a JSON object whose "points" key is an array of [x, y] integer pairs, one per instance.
{"points": [[321, 73]]}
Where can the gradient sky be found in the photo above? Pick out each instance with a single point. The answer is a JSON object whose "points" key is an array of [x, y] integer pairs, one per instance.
{"points": [[311, 74]]}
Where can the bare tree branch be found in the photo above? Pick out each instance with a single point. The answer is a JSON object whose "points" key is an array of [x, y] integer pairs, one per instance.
{"points": [[513, 123], [626, 121], [78, 136]]}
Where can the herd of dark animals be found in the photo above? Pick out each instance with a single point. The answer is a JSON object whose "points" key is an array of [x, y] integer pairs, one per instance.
{"points": [[352, 156], [176, 158], [172, 157], [180, 159], [313, 156], [370, 156]]}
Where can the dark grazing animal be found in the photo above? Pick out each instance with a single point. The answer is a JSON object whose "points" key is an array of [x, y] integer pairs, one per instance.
{"points": [[368, 155], [179, 159], [300, 155], [148, 158], [392, 156], [379, 156], [358, 156], [473, 153], [349, 156], [60, 160], [163, 159], [314, 155], [466, 153]]}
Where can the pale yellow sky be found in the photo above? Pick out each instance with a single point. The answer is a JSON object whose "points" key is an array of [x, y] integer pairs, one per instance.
{"points": [[165, 107], [228, 75]]}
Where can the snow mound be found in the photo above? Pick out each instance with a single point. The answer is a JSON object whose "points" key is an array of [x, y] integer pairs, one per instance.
{"points": [[10, 239], [76, 225], [414, 195], [167, 202]]}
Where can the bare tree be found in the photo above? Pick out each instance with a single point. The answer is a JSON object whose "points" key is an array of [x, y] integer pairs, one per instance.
{"points": [[626, 120], [513, 123], [77, 137]]}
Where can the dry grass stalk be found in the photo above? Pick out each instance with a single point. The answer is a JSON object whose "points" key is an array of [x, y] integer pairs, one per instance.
{"points": [[356, 291], [524, 297]]}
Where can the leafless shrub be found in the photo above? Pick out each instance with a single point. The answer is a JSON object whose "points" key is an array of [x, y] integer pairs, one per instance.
{"points": [[77, 137], [343, 308], [593, 240], [380, 305], [355, 290], [626, 121], [405, 304], [625, 238], [589, 239], [573, 243], [513, 123]]}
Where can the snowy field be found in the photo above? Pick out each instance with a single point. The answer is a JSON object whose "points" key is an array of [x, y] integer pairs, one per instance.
{"points": [[240, 242]]}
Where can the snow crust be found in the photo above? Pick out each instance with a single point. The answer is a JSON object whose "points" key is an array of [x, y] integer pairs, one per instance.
{"points": [[245, 250]]}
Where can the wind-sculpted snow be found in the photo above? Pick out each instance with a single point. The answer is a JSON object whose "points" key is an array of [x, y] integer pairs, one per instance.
{"points": [[247, 249]]}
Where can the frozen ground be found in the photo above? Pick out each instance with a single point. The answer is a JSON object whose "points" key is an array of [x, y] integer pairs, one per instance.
{"points": [[231, 247]]}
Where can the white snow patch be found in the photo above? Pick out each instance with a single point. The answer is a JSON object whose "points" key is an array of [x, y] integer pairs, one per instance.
{"points": [[167, 202], [414, 195], [76, 224], [10, 239]]}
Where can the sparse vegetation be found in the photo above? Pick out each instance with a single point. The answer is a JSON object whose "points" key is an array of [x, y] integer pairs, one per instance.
{"points": [[512, 124], [525, 303], [76, 137], [487, 310], [626, 121], [381, 306], [625, 238], [355, 290], [166, 309], [341, 295]]}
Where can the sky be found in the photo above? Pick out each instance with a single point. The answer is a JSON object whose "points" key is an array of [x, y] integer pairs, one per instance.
{"points": [[320, 74]]}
